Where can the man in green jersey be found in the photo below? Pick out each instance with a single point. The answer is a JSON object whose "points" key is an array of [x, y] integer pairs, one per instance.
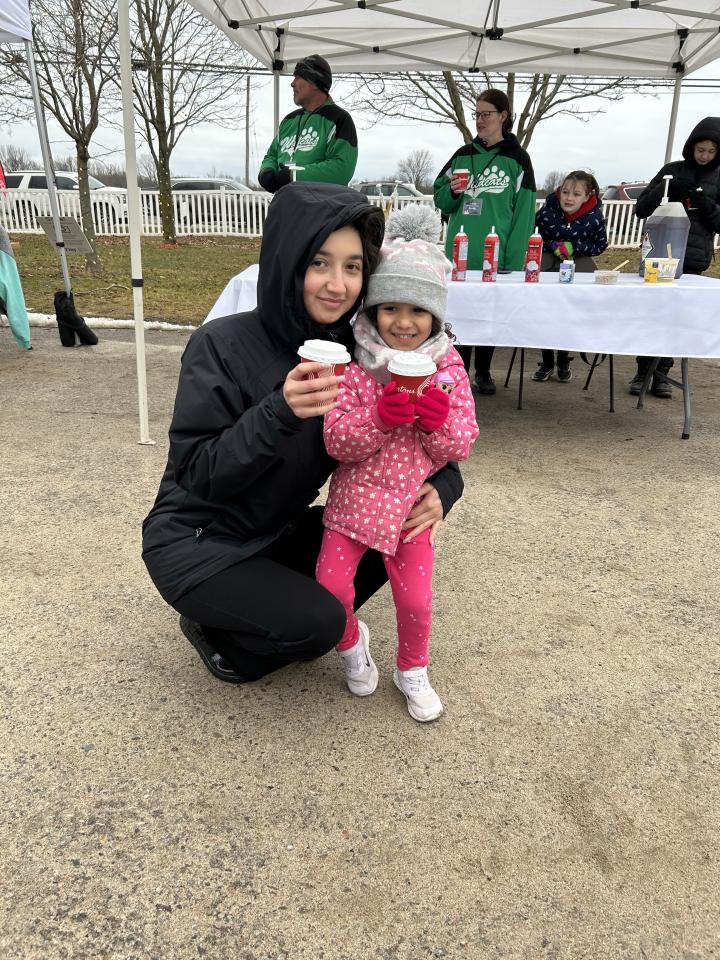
{"points": [[320, 137]]}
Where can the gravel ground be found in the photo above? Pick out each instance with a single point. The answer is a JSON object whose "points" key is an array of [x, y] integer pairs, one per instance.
{"points": [[565, 806]]}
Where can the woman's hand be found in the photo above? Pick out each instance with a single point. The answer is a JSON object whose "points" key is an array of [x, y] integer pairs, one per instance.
{"points": [[457, 182], [427, 512], [311, 397]]}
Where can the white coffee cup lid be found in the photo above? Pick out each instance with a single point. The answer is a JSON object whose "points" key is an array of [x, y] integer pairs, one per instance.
{"points": [[324, 351], [412, 365], [461, 170]]}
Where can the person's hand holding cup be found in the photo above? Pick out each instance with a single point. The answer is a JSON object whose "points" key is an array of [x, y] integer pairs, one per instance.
{"points": [[412, 372], [459, 180], [311, 388]]}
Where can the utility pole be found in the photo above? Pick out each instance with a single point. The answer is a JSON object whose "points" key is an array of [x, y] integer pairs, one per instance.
{"points": [[247, 130]]}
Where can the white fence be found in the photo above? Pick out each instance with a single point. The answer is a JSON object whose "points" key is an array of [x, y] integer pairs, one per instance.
{"points": [[224, 213]]}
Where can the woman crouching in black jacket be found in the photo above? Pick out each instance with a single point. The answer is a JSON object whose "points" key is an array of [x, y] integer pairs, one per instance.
{"points": [[232, 541]]}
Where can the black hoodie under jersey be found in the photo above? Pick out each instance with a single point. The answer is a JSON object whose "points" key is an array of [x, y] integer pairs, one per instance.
{"points": [[241, 465], [704, 223]]}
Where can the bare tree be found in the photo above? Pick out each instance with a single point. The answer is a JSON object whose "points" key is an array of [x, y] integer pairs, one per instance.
{"points": [[443, 98], [73, 42], [17, 158], [185, 73], [417, 168], [553, 180]]}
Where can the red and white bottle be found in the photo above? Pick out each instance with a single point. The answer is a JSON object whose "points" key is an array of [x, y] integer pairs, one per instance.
{"points": [[533, 258], [460, 255], [491, 256]]}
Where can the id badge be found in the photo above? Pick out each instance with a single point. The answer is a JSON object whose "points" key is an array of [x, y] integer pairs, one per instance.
{"points": [[472, 208]]}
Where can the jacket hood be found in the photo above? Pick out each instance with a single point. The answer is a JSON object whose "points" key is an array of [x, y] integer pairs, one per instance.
{"points": [[300, 218], [707, 129], [509, 141]]}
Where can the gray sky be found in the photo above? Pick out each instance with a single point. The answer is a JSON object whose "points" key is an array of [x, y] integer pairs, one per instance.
{"points": [[626, 142]]}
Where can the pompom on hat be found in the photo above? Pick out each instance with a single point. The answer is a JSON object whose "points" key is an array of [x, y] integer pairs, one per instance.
{"points": [[412, 267]]}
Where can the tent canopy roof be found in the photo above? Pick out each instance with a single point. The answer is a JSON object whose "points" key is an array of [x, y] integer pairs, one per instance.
{"points": [[14, 21], [581, 37]]}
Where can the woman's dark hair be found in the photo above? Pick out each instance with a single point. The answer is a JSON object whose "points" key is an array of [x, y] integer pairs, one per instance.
{"points": [[437, 325], [500, 101], [586, 179], [371, 227]]}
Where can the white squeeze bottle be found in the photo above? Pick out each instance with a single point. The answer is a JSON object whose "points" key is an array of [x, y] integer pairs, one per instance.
{"points": [[669, 224]]}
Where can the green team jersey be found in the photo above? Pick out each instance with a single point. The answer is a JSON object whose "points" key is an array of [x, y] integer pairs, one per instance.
{"points": [[324, 142], [500, 193]]}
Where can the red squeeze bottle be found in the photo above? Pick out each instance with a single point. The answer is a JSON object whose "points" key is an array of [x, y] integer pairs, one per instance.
{"points": [[459, 255], [491, 255], [533, 258]]}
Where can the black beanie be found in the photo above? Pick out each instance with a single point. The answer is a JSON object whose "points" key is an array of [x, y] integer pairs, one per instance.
{"points": [[315, 69]]}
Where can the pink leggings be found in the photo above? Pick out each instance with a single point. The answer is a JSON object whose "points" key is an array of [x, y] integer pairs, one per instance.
{"points": [[410, 574]]}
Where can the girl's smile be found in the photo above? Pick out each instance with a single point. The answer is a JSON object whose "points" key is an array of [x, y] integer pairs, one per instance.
{"points": [[403, 326]]}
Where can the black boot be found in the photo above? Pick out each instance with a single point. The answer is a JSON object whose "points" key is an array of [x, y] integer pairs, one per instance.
{"points": [[217, 665]]}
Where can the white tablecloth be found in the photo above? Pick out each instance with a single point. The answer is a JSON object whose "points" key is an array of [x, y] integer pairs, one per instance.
{"points": [[681, 319]]}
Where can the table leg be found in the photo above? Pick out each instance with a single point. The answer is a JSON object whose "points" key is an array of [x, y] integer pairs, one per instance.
{"points": [[591, 371], [522, 372], [509, 371], [686, 399], [646, 382], [611, 367]]}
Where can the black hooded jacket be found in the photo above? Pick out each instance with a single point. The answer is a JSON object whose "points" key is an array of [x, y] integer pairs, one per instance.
{"points": [[241, 465], [688, 176]]}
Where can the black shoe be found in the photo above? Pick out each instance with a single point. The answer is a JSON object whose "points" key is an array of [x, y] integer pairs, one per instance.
{"points": [[661, 388], [542, 373], [564, 374], [484, 383], [216, 664], [636, 384]]}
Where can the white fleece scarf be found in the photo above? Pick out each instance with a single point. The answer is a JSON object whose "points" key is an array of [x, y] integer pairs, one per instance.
{"points": [[374, 355]]}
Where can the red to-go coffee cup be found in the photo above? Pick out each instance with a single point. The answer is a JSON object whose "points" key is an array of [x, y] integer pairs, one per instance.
{"points": [[332, 355], [412, 372], [464, 173]]}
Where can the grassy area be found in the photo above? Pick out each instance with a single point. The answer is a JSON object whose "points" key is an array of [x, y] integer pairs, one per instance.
{"points": [[181, 283]]}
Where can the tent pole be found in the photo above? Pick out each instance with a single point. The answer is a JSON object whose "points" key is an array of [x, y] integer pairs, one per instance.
{"points": [[276, 102], [134, 220], [673, 118], [48, 164]]}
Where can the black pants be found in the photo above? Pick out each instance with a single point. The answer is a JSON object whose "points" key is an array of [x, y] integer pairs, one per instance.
{"points": [[483, 358], [269, 611]]}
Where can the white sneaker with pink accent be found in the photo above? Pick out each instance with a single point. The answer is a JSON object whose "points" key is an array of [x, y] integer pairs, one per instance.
{"points": [[360, 671], [422, 702]]}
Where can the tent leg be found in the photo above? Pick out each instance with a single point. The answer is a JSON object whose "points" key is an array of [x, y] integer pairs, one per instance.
{"points": [[133, 195], [48, 165], [276, 102], [673, 118]]}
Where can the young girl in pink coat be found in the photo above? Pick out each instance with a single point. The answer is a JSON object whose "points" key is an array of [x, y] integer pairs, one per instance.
{"points": [[388, 446]]}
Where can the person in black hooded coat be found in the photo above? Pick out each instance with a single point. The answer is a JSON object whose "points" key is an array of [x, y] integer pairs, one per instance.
{"points": [[696, 184], [231, 541]]}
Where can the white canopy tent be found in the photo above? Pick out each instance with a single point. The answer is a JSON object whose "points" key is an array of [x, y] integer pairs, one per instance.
{"points": [[635, 38]]}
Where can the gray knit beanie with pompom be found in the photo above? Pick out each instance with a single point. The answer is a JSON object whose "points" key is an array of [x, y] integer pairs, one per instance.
{"points": [[412, 267]]}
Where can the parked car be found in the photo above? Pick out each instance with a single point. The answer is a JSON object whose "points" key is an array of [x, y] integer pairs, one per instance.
{"points": [[111, 205], [630, 190], [208, 183], [386, 188]]}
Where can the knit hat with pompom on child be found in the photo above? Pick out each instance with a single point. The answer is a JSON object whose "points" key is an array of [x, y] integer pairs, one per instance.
{"points": [[412, 268]]}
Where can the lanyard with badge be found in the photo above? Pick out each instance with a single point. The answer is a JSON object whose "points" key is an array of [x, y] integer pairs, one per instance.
{"points": [[472, 206]]}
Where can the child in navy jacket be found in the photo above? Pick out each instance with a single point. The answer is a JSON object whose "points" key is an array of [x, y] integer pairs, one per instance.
{"points": [[572, 227]]}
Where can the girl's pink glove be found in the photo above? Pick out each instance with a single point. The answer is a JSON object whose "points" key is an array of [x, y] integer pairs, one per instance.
{"points": [[393, 408], [432, 408]]}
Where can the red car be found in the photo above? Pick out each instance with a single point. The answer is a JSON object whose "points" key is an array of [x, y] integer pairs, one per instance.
{"points": [[625, 191]]}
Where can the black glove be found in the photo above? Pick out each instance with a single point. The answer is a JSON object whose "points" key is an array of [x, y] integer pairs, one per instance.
{"points": [[679, 189], [271, 180], [702, 201]]}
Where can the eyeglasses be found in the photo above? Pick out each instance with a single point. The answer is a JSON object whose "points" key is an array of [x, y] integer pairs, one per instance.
{"points": [[485, 114]]}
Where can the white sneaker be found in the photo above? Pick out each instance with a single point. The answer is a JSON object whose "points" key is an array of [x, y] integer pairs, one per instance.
{"points": [[422, 701], [360, 670]]}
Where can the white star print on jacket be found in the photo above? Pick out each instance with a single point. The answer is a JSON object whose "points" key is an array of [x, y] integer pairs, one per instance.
{"points": [[376, 463]]}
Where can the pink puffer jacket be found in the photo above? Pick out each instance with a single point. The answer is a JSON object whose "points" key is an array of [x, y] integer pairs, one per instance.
{"points": [[376, 483]]}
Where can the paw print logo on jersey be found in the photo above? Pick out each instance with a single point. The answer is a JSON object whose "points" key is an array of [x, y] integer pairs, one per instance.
{"points": [[309, 139], [493, 179]]}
